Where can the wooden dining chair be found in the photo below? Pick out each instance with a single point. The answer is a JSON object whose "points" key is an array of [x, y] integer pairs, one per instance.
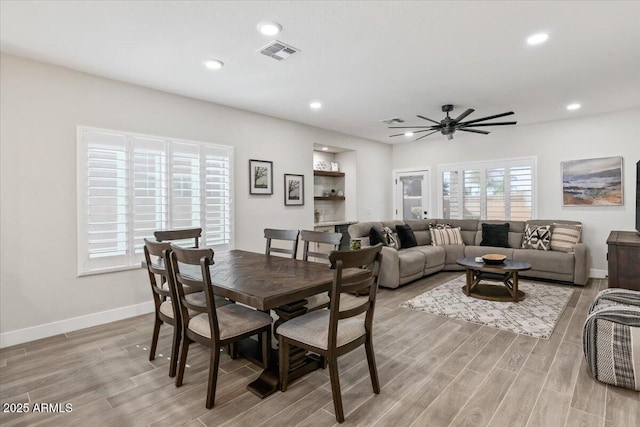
{"points": [[337, 331], [285, 235], [219, 326], [316, 302], [156, 255], [176, 235]]}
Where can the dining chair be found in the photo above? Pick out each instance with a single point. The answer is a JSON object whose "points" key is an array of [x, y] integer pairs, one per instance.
{"points": [[337, 331], [316, 302], [285, 235], [184, 234], [163, 291], [219, 326]]}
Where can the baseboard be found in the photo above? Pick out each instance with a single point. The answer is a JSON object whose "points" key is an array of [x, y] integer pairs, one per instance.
{"points": [[598, 274], [20, 336]]}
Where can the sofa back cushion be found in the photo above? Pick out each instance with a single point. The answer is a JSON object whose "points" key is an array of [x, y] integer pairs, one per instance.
{"points": [[361, 229], [421, 231]]}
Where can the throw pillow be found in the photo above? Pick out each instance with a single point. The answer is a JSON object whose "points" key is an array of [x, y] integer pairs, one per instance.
{"points": [[496, 235], [387, 234], [406, 236], [564, 237], [375, 237], [446, 236], [537, 237], [439, 226]]}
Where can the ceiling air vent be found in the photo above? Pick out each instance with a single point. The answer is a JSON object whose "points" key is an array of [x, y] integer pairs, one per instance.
{"points": [[393, 121], [278, 50]]}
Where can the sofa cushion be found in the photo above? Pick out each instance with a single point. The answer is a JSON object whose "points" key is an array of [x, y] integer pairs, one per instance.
{"points": [[453, 253], [420, 229], [564, 237], [537, 237], [411, 262], [361, 229], [446, 236], [550, 261], [495, 235], [434, 255], [406, 236]]}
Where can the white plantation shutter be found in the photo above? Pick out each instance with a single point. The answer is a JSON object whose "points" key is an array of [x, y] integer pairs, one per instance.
{"points": [[132, 185], [496, 190]]}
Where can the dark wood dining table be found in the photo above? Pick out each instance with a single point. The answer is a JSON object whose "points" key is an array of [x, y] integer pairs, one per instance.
{"points": [[268, 282]]}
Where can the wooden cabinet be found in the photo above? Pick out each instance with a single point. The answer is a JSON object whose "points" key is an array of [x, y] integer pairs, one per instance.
{"points": [[624, 259]]}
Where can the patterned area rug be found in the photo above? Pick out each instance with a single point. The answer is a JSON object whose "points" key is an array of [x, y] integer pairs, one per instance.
{"points": [[535, 316]]}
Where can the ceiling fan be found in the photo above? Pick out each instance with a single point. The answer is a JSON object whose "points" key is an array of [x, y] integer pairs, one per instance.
{"points": [[449, 126]]}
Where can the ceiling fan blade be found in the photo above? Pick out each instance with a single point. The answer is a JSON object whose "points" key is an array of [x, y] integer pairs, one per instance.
{"points": [[484, 132], [398, 134], [428, 119], [463, 115], [418, 131], [487, 118], [409, 127], [489, 124], [424, 136]]}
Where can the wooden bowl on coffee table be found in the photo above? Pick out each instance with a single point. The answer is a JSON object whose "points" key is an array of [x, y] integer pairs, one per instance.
{"points": [[494, 259]]}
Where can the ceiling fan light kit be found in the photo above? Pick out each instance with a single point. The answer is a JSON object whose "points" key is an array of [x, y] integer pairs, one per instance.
{"points": [[449, 126]]}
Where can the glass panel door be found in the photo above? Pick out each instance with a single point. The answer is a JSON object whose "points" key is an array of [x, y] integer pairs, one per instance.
{"points": [[412, 195]]}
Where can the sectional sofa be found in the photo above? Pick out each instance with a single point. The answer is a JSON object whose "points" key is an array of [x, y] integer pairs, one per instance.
{"points": [[404, 265]]}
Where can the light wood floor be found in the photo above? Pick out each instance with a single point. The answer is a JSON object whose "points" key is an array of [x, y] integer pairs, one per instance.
{"points": [[433, 371]]}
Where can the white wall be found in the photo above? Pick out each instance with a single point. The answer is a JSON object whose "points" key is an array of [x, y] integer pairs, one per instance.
{"points": [[605, 135], [40, 107]]}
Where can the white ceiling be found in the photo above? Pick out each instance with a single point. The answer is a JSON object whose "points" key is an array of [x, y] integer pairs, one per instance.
{"points": [[366, 61]]}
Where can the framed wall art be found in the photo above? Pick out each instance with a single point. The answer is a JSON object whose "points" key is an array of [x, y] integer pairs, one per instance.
{"points": [[260, 177], [596, 182], [293, 190]]}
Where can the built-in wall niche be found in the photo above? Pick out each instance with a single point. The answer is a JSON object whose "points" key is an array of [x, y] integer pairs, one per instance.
{"points": [[334, 185]]}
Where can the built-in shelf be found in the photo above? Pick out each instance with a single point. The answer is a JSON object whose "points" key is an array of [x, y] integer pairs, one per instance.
{"points": [[328, 173], [328, 198]]}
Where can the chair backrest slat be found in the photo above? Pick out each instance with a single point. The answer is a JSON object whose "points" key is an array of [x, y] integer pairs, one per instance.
{"points": [[327, 238], [173, 235], [271, 234], [154, 254]]}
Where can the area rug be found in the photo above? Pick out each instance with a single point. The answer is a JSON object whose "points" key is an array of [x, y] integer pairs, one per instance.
{"points": [[535, 316]]}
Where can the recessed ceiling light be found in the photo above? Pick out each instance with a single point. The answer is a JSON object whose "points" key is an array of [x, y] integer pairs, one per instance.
{"points": [[408, 134], [325, 148], [213, 64], [537, 39], [315, 105], [269, 28], [574, 106]]}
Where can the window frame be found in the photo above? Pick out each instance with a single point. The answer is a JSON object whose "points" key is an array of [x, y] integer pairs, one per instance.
{"points": [[482, 166], [131, 258]]}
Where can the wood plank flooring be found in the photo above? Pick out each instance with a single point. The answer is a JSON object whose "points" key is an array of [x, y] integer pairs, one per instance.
{"points": [[433, 371]]}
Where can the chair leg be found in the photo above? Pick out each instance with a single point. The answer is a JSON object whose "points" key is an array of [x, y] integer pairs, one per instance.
{"points": [[335, 388], [175, 350], [233, 350], [213, 376], [266, 347], [371, 360], [283, 354], [183, 359], [154, 338]]}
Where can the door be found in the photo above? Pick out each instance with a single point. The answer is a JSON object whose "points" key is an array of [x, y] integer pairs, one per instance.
{"points": [[411, 194]]}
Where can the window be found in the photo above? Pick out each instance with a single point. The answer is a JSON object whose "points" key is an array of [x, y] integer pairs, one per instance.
{"points": [[130, 185], [496, 190]]}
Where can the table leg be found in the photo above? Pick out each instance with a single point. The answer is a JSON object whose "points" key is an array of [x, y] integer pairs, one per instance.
{"points": [[515, 286]]}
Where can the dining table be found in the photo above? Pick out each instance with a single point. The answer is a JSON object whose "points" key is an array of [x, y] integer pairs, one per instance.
{"points": [[269, 282]]}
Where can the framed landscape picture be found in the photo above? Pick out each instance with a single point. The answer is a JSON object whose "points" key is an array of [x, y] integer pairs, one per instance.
{"points": [[260, 177], [293, 190], [595, 182]]}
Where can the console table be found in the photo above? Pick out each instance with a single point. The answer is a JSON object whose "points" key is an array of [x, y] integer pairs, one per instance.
{"points": [[624, 259]]}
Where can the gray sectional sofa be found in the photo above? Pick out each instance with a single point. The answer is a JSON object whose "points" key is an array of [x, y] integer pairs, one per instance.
{"points": [[401, 266]]}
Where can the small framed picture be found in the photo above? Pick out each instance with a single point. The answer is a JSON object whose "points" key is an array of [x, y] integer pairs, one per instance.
{"points": [[293, 190], [260, 177]]}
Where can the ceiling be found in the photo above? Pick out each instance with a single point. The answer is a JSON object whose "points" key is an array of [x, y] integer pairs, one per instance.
{"points": [[365, 61]]}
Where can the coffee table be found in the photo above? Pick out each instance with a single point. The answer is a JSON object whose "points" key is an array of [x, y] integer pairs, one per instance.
{"points": [[506, 273]]}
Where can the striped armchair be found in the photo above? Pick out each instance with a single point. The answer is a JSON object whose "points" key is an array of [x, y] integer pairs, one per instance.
{"points": [[611, 338]]}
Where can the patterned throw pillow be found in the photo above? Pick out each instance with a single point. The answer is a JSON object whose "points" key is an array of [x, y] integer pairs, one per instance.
{"points": [[446, 236], [387, 234], [564, 237], [537, 237]]}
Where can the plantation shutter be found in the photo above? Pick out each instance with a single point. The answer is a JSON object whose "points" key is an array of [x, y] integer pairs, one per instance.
{"points": [[217, 197], [104, 207], [521, 193], [495, 193], [471, 195], [184, 179]]}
